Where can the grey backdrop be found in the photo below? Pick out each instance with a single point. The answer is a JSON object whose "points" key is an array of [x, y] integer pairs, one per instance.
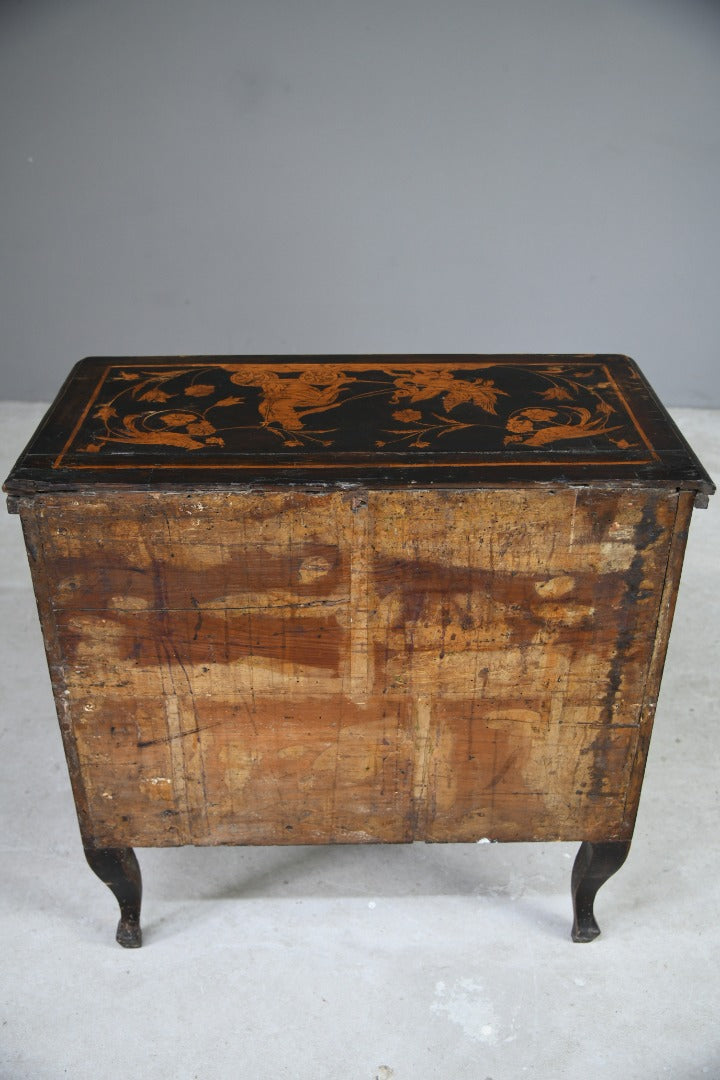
{"points": [[359, 175]]}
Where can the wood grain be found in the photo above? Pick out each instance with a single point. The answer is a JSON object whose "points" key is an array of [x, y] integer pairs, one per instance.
{"points": [[289, 666]]}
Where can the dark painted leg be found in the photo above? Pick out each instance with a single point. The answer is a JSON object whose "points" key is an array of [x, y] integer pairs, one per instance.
{"points": [[595, 863], [119, 869]]}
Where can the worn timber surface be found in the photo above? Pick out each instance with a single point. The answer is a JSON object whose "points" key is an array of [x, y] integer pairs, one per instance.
{"points": [[372, 665]]}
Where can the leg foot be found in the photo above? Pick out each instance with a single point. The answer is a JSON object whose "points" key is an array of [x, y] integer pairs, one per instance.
{"points": [[119, 870], [595, 863]]}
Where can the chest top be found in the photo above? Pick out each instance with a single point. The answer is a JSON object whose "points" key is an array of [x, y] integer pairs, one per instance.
{"points": [[388, 420]]}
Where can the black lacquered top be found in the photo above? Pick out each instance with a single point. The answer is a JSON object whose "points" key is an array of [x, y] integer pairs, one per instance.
{"points": [[258, 420]]}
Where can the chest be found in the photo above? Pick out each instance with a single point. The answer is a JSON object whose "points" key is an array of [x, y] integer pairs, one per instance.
{"points": [[357, 600]]}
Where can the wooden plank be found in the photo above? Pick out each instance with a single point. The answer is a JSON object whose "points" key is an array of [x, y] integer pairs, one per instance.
{"points": [[659, 652], [524, 626]]}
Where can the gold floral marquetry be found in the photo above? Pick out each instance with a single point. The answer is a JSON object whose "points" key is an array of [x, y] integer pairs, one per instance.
{"points": [[355, 411]]}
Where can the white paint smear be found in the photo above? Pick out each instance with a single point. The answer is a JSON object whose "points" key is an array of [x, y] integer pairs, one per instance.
{"points": [[466, 1004]]}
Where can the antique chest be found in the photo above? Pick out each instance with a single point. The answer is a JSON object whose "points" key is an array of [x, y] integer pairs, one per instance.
{"points": [[358, 599]]}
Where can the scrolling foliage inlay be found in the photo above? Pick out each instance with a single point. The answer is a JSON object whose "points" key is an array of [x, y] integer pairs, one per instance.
{"points": [[356, 410]]}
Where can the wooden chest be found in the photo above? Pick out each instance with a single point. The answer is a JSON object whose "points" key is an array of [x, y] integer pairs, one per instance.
{"points": [[354, 599]]}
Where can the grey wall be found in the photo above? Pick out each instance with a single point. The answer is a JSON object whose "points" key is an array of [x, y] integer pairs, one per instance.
{"points": [[299, 176]]}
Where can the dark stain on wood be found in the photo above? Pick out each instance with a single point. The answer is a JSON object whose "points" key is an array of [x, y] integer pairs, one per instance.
{"points": [[309, 570], [315, 641]]}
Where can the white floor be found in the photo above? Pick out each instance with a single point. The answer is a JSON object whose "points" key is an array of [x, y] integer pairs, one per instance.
{"points": [[357, 963]]}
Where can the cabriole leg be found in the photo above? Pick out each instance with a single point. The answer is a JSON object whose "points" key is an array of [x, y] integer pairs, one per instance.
{"points": [[595, 863], [119, 869]]}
